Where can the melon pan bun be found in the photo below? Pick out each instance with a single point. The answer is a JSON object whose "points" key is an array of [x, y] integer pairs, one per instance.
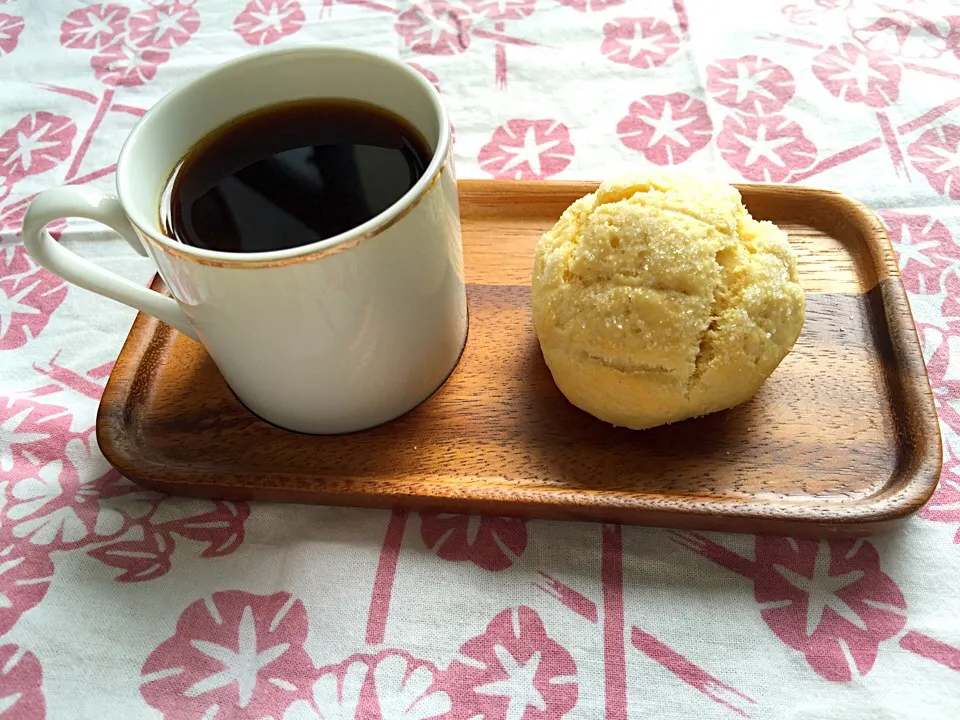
{"points": [[658, 298]]}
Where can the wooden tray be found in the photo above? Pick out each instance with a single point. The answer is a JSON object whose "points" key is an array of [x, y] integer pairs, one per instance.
{"points": [[842, 439]]}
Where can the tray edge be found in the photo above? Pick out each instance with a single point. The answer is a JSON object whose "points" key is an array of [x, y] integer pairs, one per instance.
{"points": [[879, 512]]}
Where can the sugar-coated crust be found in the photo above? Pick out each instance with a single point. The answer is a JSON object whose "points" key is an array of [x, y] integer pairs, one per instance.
{"points": [[659, 298]]}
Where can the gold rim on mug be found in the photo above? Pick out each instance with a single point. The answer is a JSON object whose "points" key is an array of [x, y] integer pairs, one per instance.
{"points": [[305, 257], [154, 235]]}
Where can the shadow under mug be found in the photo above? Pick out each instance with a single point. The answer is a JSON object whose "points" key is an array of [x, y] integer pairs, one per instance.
{"points": [[331, 337]]}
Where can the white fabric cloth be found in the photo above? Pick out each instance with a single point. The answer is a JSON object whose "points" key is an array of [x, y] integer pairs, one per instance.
{"points": [[119, 603]]}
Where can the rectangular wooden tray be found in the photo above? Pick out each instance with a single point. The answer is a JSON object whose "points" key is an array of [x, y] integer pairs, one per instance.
{"points": [[842, 439]]}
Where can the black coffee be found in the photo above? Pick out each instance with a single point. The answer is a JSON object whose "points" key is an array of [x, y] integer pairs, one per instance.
{"points": [[292, 174]]}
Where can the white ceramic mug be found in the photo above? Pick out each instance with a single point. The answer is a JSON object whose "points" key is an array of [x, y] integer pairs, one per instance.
{"points": [[331, 337]]}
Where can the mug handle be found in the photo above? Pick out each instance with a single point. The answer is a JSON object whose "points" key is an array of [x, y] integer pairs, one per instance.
{"points": [[65, 202]]}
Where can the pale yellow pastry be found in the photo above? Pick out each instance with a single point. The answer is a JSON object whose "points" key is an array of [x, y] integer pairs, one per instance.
{"points": [[659, 298]]}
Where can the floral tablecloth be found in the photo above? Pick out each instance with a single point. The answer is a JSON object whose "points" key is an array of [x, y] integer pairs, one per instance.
{"points": [[119, 603]]}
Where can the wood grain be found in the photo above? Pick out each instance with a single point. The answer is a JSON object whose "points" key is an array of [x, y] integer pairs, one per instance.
{"points": [[842, 439]]}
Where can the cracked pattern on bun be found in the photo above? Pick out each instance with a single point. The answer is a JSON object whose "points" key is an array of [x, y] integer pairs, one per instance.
{"points": [[658, 298]]}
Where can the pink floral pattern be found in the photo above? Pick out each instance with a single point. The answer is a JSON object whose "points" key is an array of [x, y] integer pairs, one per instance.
{"points": [[392, 684], [858, 76], [11, 251], [765, 149], [26, 303], [38, 142], [586, 6], [513, 670], [79, 390], [527, 149], [220, 526], [234, 653], [944, 506], [943, 368], [143, 549], [953, 40], [830, 608], [263, 22], [58, 504], [21, 681], [146, 555], [124, 65], [925, 249], [936, 154], [490, 543], [163, 26], [448, 27], [750, 84], [10, 28], [829, 600], [79, 502], [914, 31], [25, 576], [30, 430], [639, 42], [435, 27], [129, 47], [949, 295], [243, 654], [667, 129], [428, 74], [812, 12], [93, 27], [501, 9]]}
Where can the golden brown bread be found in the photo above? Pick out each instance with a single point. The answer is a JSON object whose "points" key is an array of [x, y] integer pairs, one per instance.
{"points": [[659, 298]]}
